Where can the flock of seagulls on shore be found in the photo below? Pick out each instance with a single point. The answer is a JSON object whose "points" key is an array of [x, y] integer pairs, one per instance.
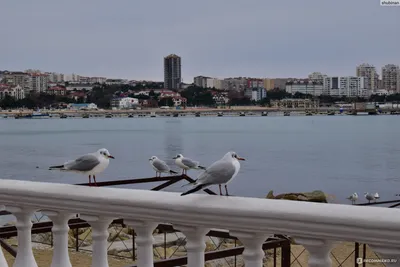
{"points": [[219, 173], [368, 196]]}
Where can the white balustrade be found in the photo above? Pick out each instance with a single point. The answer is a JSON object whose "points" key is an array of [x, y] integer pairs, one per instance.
{"points": [[60, 238], [144, 240], [99, 236], [195, 244], [3, 262], [314, 225], [25, 256], [253, 253], [318, 249]]}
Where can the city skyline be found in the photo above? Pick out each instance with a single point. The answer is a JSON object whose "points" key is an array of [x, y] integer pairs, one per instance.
{"points": [[258, 39]]}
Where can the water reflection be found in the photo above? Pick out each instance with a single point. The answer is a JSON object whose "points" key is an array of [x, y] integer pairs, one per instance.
{"points": [[173, 144]]}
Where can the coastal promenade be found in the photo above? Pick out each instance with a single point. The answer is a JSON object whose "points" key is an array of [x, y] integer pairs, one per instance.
{"points": [[247, 110]]}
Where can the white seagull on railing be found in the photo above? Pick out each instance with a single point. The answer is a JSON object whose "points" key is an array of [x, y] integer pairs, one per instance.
{"points": [[186, 163], [218, 173], [353, 197], [160, 166], [89, 164], [369, 197]]}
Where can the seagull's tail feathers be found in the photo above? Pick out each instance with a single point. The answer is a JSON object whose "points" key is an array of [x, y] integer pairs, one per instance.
{"points": [[197, 188], [58, 167], [202, 167], [172, 172]]}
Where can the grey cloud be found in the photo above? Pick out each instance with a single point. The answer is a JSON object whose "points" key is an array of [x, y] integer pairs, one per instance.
{"points": [[217, 38]]}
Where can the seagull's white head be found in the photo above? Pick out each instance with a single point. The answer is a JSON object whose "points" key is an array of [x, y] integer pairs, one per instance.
{"points": [[233, 155], [153, 158], [104, 152], [179, 156]]}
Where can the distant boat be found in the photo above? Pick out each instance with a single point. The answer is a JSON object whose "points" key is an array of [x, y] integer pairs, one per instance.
{"points": [[197, 114], [130, 116], [286, 113], [85, 116], [220, 114], [20, 116], [40, 115], [176, 114], [109, 115], [264, 113], [330, 113], [242, 114], [63, 116], [309, 113], [152, 114]]}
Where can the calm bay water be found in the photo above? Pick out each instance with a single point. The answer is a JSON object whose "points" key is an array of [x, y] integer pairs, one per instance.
{"points": [[337, 154]]}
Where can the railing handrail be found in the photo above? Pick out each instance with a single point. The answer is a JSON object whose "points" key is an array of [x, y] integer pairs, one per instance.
{"points": [[330, 221]]}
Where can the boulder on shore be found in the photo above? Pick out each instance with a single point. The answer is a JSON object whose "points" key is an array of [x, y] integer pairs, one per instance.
{"points": [[314, 196]]}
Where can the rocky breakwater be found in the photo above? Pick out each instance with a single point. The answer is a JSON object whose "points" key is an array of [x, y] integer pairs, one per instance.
{"points": [[314, 196]]}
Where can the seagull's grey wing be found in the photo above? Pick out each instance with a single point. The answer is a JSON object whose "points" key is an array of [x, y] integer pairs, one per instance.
{"points": [[160, 165], [190, 163], [220, 172], [83, 164]]}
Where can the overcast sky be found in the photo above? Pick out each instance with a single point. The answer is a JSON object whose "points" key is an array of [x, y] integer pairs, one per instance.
{"points": [[220, 38]]}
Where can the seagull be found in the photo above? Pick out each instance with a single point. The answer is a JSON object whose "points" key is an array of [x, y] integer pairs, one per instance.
{"points": [[220, 172], [376, 196], [186, 164], [369, 197], [160, 166], [89, 164], [353, 197]]}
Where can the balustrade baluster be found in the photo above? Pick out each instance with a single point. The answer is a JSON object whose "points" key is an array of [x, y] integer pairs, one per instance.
{"points": [[99, 236], [253, 253], [318, 249], [390, 255], [60, 238], [195, 244], [3, 261], [25, 256], [144, 241]]}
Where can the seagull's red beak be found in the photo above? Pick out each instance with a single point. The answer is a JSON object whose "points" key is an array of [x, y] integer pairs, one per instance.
{"points": [[239, 158], [111, 157]]}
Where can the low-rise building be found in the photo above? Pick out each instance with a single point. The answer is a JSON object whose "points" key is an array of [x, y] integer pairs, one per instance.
{"points": [[57, 90], [295, 103], [305, 86], [220, 98], [83, 106], [124, 103], [16, 92], [79, 87]]}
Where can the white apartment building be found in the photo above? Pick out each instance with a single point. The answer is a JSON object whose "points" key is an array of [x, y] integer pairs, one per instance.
{"points": [[55, 77], [258, 94], [317, 76], [16, 92], [71, 77], [305, 86], [391, 78], [238, 84], [349, 86], [39, 82], [207, 82], [124, 103], [369, 73], [200, 81]]}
